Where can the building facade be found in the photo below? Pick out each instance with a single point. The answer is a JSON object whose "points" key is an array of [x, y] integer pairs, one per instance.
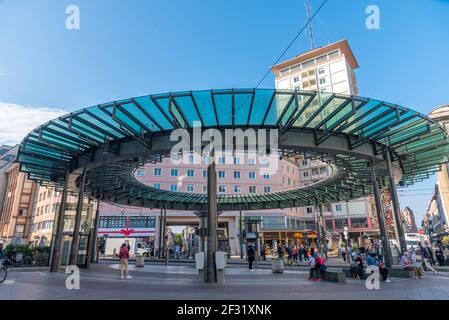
{"points": [[329, 69], [436, 221], [408, 219], [17, 208]]}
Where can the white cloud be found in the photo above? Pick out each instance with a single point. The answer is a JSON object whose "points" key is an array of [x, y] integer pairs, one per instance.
{"points": [[16, 121]]}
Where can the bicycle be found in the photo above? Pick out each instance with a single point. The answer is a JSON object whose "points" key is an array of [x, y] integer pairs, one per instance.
{"points": [[3, 270]]}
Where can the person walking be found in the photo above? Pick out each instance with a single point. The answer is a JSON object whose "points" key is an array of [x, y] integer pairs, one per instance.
{"points": [[431, 255], [263, 254], [300, 252], [124, 256], [177, 252], [343, 253], [440, 256], [251, 256], [2, 252], [425, 259]]}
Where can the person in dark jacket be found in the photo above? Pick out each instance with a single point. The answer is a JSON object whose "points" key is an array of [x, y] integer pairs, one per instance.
{"points": [[440, 256], [250, 254]]}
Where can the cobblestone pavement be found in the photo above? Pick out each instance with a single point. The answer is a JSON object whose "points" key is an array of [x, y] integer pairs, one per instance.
{"points": [[102, 281]]}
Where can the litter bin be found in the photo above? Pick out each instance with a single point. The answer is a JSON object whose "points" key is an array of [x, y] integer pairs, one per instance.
{"points": [[140, 260], [199, 264], [220, 265]]}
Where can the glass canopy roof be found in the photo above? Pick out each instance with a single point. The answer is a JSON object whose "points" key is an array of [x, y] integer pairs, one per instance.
{"points": [[416, 142]]}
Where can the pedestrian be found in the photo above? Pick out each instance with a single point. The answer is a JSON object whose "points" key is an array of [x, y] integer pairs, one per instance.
{"points": [[407, 265], [313, 268], [124, 256], [325, 249], [295, 253], [263, 254], [177, 252], [343, 253], [2, 252], [431, 255], [440, 256], [300, 252], [372, 262], [359, 266], [425, 259], [280, 252], [250, 254]]}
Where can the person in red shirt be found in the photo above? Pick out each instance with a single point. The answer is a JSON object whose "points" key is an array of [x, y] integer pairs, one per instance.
{"points": [[124, 256]]}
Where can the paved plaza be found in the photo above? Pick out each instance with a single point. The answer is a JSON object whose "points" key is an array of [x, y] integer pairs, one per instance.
{"points": [[179, 282]]}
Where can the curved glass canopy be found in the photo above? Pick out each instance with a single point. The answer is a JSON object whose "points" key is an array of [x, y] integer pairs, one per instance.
{"points": [[417, 145]]}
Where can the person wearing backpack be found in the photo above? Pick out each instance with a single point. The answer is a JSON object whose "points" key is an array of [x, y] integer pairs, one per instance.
{"points": [[124, 256]]}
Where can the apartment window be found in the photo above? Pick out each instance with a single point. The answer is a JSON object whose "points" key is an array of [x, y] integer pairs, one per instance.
{"points": [[156, 185], [40, 196], [157, 172], [341, 223], [251, 161], [174, 172], [204, 188], [323, 170], [190, 158], [309, 210], [47, 208], [43, 195], [22, 212], [296, 79], [206, 160], [252, 189], [315, 172], [266, 176], [304, 162], [222, 174], [236, 174], [359, 223], [289, 181], [140, 172], [236, 160], [267, 189], [322, 81], [305, 174], [237, 189], [338, 207], [321, 71], [252, 175], [174, 187], [204, 173], [222, 160], [190, 188], [48, 193], [221, 189], [190, 173], [265, 162]]}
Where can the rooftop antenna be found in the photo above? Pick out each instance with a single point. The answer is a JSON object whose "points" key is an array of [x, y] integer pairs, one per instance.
{"points": [[309, 25]]}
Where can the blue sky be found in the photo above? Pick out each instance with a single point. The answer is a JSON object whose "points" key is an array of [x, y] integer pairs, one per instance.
{"points": [[131, 48]]}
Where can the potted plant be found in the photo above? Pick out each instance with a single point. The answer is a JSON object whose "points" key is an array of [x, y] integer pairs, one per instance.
{"points": [[277, 265]]}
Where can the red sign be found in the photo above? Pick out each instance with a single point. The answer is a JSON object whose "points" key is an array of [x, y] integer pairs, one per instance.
{"points": [[420, 231], [127, 231]]}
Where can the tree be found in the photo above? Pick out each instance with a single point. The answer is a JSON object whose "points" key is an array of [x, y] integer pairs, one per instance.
{"points": [[178, 239]]}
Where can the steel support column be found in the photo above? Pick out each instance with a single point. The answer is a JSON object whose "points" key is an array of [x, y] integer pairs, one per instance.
{"points": [[94, 247], [381, 219], [57, 239], [241, 234], [159, 252], [211, 221], [395, 202], [76, 230]]}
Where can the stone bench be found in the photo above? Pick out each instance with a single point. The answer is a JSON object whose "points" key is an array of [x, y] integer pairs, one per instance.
{"points": [[395, 272], [334, 275]]}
